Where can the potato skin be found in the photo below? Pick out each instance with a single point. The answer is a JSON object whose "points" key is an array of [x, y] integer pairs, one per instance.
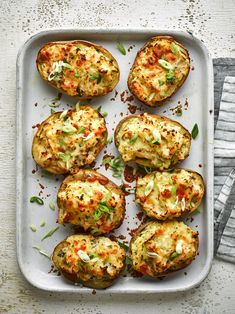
{"points": [[173, 143], [63, 144], [89, 70], [151, 83], [168, 195], [82, 198], [155, 245], [94, 272]]}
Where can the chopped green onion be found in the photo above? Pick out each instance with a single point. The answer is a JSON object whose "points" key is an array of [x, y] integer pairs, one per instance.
{"points": [[121, 48], [99, 108], [63, 114], [173, 190], [160, 82], [165, 64], [147, 137], [95, 77], [170, 76], [179, 111], [128, 260], [173, 256], [195, 131], [50, 233], [77, 106], [81, 130], [43, 223], [36, 199], [66, 158], [123, 245], [97, 214], [109, 140], [33, 228], [156, 137], [77, 75], [52, 111], [174, 48], [106, 160], [149, 187], [116, 165], [68, 128], [104, 114], [134, 138], [41, 252], [162, 94], [52, 206], [61, 142]]}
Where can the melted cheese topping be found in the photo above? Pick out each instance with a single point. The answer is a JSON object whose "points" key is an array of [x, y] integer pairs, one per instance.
{"points": [[104, 258], [163, 247], [69, 140], [172, 194], [91, 203], [160, 68], [159, 142], [78, 68]]}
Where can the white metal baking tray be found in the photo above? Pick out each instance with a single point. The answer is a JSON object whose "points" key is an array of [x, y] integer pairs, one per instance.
{"points": [[33, 97]]}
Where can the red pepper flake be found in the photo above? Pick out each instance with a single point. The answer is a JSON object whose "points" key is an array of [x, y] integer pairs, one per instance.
{"points": [[132, 108], [166, 193], [41, 186], [128, 174]]}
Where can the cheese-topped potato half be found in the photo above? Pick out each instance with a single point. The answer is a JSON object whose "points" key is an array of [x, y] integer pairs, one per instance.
{"points": [[159, 248], [90, 200], [78, 68], [166, 195], [93, 261], [70, 139], [152, 141], [159, 69]]}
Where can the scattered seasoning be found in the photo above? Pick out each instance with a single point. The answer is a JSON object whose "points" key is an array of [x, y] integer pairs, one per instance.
{"points": [[121, 48], [200, 165], [33, 228], [132, 108], [93, 291], [210, 111], [179, 112], [41, 252], [50, 233], [195, 131], [134, 138], [193, 68], [36, 199], [35, 104], [123, 245], [43, 223]]}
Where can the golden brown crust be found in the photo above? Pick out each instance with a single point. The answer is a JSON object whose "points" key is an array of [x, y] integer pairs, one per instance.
{"points": [[98, 48], [158, 100], [74, 274], [170, 199], [161, 267], [149, 162], [81, 213], [46, 147]]}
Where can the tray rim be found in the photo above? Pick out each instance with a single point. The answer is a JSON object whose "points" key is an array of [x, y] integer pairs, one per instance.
{"points": [[210, 152]]}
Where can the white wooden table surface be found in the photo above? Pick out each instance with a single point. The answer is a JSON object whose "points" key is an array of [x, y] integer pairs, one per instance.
{"points": [[212, 21]]}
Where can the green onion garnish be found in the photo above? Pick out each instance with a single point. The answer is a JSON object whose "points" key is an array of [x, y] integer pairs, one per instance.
{"points": [[104, 114], [52, 206], [95, 77], [195, 131], [43, 223], [121, 48], [165, 64], [41, 252], [36, 199], [33, 228], [109, 140], [134, 138], [50, 233], [173, 256], [123, 245], [174, 48]]}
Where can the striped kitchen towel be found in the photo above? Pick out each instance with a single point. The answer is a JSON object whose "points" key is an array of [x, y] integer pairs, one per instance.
{"points": [[224, 225]]}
